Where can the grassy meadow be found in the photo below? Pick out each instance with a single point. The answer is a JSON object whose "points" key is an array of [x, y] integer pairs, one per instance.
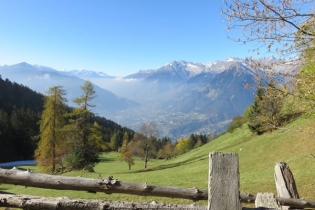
{"points": [[257, 157]]}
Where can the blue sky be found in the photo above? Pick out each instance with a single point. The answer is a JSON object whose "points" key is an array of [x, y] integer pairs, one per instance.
{"points": [[118, 37]]}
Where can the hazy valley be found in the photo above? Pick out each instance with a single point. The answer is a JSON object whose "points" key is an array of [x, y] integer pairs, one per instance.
{"points": [[180, 97]]}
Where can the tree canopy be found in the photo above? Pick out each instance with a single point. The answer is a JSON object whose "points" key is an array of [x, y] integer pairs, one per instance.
{"points": [[50, 147], [23, 122], [281, 26], [84, 146], [285, 28]]}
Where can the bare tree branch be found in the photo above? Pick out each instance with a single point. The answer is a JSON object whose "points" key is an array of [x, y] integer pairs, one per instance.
{"points": [[273, 23]]}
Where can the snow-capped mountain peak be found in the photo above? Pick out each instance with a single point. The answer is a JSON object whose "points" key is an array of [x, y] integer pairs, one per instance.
{"points": [[183, 70], [229, 59], [175, 70], [86, 74]]}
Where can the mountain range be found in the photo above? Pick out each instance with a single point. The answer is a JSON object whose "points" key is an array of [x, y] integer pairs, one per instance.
{"points": [[180, 97], [40, 79]]}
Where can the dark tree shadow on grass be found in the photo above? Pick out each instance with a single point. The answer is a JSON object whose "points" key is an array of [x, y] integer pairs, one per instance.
{"points": [[4, 192], [170, 165], [105, 159]]}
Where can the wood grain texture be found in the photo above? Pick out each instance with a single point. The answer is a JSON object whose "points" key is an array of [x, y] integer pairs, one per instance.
{"points": [[106, 185], [63, 203], [223, 189], [285, 182]]}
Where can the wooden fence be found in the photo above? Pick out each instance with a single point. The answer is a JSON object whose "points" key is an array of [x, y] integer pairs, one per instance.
{"points": [[222, 193]]}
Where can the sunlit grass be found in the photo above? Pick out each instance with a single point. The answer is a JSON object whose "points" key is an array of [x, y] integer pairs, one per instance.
{"points": [[257, 158]]}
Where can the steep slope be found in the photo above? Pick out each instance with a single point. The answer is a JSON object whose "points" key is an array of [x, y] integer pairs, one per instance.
{"points": [[257, 158]]}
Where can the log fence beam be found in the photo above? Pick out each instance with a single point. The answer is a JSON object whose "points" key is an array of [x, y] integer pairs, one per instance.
{"points": [[223, 185], [107, 185]]}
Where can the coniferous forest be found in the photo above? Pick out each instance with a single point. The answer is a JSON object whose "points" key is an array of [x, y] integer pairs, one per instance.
{"points": [[62, 138], [20, 114]]}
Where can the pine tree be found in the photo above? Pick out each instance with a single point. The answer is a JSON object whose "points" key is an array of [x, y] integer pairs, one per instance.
{"points": [[25, 129], [254, 111], [97, 137], [266, 110], [52, 120], [116, 141], [7, 149], [84, 154]]}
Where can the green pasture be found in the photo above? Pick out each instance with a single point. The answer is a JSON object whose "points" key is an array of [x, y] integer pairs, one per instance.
{"points": [[257, 157]]}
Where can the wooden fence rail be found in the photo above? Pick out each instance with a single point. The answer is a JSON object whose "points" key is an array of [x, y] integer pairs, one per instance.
{"points": [[62, 203], [222, 193], [107, 185]]}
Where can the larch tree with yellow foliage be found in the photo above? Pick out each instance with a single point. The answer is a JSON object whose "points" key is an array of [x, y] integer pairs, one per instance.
{"points": [[49, 151]]}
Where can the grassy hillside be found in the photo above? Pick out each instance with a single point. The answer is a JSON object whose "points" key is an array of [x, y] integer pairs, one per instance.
{"points": [[257, 158]]}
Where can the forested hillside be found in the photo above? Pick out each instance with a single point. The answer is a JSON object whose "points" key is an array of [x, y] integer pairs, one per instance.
{"points": [[20, 114], [20, 109]]}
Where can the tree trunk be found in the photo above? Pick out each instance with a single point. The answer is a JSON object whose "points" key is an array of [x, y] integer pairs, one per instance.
{"points": [[146, 158], [53, 156], [145, 162]]}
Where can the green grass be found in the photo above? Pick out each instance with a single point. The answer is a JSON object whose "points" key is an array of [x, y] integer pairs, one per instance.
{"points": [[257, 159]]}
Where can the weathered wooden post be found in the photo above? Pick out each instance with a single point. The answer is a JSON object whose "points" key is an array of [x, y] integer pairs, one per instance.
{"points": [[223, 189], [285, 183]]}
